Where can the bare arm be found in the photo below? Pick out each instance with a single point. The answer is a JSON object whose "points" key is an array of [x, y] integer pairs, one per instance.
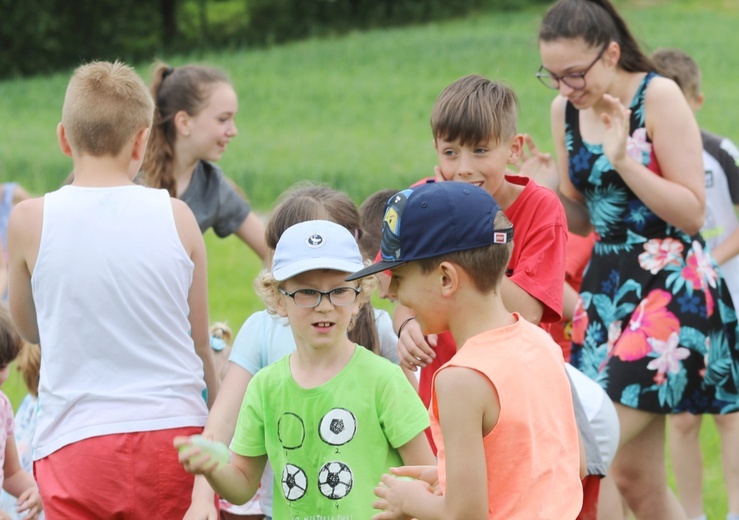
{"points": [[517, 300], [578, 216], [727, 249], [222, 418], [24, 236], [221, 425], [251, 232], [3, 270], [20, 483], [468, 405], [417, 452], [197, 300], [236, 481], [678, 195]]}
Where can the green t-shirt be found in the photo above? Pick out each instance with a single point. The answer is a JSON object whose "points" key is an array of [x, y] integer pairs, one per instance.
{"points": [[329, 445]]}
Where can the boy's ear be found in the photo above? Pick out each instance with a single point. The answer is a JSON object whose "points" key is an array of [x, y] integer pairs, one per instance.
{"points": [[448, 278], [61, 136], [698, 102], [139, 144], [516, 148]]}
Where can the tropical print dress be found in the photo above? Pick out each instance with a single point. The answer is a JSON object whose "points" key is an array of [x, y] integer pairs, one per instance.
{"points": [[655, 324]]}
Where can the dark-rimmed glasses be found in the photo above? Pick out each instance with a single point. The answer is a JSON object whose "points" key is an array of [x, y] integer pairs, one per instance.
{"points": [[340, 297], [575, 80]]}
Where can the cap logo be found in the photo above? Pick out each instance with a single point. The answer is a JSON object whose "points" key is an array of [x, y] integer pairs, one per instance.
{"points": [[391, 222], [500, 238], [315, 241]]}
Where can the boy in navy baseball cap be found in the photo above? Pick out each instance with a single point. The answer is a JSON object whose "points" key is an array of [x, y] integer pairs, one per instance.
{"points": [[501, 410]]}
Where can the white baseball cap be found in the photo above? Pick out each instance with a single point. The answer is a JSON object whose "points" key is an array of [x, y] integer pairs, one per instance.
{"points": [[315, 244]]}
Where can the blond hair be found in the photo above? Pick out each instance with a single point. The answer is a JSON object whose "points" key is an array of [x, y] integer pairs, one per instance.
{"points": [[28, 364], [680, 68], [475, 109], [105, 106], [221, 331]]}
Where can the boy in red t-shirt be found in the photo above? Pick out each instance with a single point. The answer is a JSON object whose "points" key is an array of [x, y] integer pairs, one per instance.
{"points": [[475, 135]]}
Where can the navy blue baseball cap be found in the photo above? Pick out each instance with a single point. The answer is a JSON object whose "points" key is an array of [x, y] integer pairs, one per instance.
{"points": [[435, 219]]}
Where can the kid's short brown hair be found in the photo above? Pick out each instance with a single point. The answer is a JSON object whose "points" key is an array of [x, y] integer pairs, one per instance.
{"points": [[486, 266], [681, 68], [475, 109]]}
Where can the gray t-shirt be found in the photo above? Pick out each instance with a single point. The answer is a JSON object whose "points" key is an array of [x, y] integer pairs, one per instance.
{"points": [[214, 201]]}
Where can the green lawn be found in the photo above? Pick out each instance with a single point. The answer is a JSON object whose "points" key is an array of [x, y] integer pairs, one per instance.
{"points": [[353, 112]]}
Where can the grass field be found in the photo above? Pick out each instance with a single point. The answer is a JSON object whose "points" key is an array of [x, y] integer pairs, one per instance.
{"points": [[353, 112]]}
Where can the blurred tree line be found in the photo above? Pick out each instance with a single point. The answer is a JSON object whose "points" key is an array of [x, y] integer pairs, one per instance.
{"points": [[41, 36]]}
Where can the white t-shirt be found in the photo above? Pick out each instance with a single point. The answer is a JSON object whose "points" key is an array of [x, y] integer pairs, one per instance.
{"points": [[110, 287], [721, 163]]}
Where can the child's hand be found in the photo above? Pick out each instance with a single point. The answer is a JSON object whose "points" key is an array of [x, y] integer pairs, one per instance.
{"points": [[4, 516], [427, 474], [414, 350], [616, 117], [196, 459], [29, 502], [392, 493], [537, 165]]}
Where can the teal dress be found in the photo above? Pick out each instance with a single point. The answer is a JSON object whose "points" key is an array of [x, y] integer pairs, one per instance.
{"points": [[655, 324]]}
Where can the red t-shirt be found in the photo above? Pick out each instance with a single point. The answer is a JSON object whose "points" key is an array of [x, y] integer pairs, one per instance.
{"points": [[537, 264]]}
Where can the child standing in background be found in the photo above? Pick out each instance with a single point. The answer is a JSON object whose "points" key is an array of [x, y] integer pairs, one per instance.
{"points": [[28, 363], [331, 416], [508, 449], [14, 479], [221, 339], [111, 279], [721, 232], [11, 193], [193, 124]]}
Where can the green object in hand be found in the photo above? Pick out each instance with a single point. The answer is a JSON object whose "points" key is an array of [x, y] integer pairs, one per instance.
{"points": [[218, 451]]}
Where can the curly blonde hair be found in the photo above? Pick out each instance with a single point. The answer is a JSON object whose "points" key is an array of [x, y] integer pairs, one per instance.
{"points": [[221, 331]]}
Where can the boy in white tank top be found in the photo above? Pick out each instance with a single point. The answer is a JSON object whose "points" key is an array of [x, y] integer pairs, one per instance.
{"points": [[110, 279]]}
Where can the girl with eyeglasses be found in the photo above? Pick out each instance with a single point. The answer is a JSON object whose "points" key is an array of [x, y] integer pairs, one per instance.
{"points": [[266, 337], [655, 324], [331, 416]]}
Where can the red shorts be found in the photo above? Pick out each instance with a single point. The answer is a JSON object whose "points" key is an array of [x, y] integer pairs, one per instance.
{"points": [[121, 476], [590, 492]]}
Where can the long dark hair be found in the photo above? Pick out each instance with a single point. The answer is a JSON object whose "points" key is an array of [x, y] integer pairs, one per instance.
{"points": [[174, 89], [598, 23]]}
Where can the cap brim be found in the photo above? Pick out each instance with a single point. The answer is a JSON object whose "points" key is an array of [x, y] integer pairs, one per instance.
{"points": [[312, 264], [373, 269]]}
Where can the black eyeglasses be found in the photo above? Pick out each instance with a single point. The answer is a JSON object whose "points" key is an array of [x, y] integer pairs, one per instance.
{"points": [[341, 296], [575, 81]]}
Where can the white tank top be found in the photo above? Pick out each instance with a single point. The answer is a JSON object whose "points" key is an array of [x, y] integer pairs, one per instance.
{"points": [[110, 286]]}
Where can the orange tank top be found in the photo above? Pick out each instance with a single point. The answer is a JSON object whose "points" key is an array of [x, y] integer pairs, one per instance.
{"points": [[532, 453]]}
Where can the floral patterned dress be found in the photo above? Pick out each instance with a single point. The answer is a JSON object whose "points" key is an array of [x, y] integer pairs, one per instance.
{"points": [[655, 324]]}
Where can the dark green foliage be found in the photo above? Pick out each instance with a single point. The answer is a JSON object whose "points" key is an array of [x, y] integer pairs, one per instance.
{"points": [[277, 21], [41, 36], [44, 35]]}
